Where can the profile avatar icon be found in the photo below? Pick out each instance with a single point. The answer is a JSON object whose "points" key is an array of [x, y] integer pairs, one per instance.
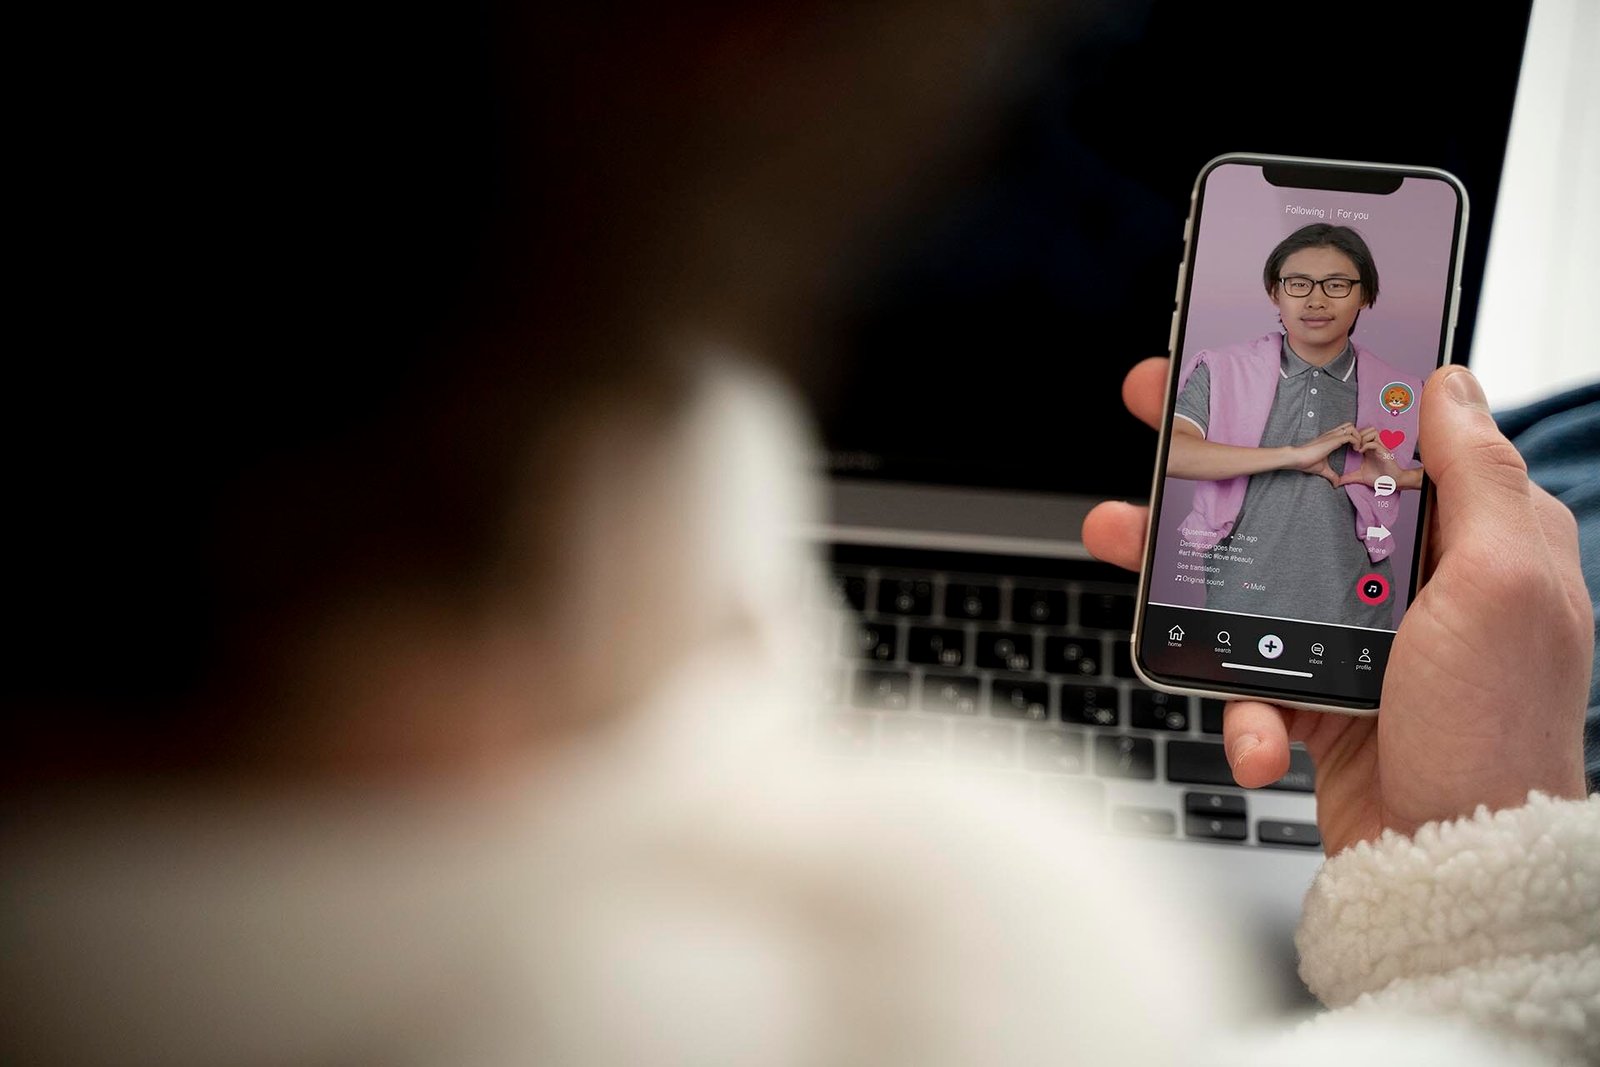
{"points": [[1397, 398]]}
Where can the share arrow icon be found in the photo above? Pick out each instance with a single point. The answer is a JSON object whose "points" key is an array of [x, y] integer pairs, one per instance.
{"points": [[1377, 533]]}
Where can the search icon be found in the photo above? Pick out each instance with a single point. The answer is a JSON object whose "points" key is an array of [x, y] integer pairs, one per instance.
{"points": [[1223, 638]]}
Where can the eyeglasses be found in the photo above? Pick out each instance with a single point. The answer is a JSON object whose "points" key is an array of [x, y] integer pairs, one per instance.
{"points": [[1300, 285]]}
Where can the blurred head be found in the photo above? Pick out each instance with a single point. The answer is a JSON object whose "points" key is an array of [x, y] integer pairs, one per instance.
{"points": [[285, 478]]}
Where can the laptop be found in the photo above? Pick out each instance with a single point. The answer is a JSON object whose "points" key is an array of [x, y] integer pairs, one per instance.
{"points": [[978, 416]]}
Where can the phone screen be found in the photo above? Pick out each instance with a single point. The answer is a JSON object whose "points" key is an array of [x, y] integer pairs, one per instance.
{"points": [[1287, 513]]}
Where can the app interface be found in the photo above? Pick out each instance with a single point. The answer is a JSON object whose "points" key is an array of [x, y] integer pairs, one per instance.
{"points": [[1287, 526]]}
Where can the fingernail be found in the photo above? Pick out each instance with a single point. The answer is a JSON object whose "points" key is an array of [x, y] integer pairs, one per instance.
{"points": [[1464, 389], [1242, 748]]}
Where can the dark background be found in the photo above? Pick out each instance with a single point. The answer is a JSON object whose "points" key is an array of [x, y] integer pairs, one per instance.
{"points": [[306, 275], [992, 350]]}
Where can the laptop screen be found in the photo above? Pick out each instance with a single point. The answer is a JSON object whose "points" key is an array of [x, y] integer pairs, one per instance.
{"points": [[990, 350]]}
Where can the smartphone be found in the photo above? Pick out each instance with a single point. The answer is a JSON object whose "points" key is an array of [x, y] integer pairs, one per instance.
{"points": [[1289, 505]]}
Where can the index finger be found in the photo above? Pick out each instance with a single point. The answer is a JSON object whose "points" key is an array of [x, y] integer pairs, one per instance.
{"points": [[1144, 390]]}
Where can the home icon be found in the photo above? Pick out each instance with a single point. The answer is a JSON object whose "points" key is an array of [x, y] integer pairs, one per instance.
{"points": [[1176, 633]]}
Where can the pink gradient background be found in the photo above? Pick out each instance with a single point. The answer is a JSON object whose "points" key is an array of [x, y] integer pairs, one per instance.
{"points": [[1243, 219]]}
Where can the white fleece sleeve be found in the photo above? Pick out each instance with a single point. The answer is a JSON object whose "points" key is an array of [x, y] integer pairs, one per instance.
{"points": [[1491, 921]]}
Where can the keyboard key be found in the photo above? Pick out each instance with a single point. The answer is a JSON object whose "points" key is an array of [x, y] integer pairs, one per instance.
{"points": [[1211, 715], [1039, 607], [1105, 611], [1150, 710], [1072, 655], [1302, 776], [1082, 794], [1027, 700], [1213, 804], [1090, 705], [1215, 827], [979, 602], [1005, 651], [845, 733], [912, 737], [939, 648], [848, 590], [1014, 782], [950, 692], [905, 596], [874, 640], [1054, 751], [987, 743], [815, 633], [1124, 757], [1205, 763], [890, 690], [1200, 762], [831, 685], [1121, 658], [1276, 832], [1155, 822]]}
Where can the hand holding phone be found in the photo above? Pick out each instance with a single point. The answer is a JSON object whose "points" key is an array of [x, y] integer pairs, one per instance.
{"points": [[1489, 673]]}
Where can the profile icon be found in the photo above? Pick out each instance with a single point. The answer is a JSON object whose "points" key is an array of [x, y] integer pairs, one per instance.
{"points": [[1397, 398]]}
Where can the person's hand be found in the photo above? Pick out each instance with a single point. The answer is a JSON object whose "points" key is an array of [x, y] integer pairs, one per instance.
{"points": [[1487, 681], [1376, 460], [1312, 457]]}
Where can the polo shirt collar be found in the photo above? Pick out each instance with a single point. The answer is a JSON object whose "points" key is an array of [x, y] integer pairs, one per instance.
{"points": [[1291, 365]]}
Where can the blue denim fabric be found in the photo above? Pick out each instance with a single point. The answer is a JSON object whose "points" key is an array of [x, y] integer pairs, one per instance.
{"points": [[1560, 438]]}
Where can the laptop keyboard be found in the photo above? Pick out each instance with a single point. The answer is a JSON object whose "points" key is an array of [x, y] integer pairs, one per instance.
{"points": [[1033, 678]]}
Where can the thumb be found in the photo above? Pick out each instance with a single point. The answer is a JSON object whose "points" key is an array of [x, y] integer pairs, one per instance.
{"points": [[1481, 481]]}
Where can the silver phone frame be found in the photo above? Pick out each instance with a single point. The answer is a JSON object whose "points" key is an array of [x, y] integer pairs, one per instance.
{"points": [[1181, 307]]}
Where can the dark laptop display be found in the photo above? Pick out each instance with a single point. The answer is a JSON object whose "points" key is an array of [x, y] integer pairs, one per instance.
{"points": [[990, 351]]}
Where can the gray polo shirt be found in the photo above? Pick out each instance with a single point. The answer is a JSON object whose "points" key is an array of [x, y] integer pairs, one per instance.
{"points": [[1306, 561]]}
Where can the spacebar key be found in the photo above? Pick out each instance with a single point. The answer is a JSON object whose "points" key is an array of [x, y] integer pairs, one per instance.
{"points": [[1205, 763], [1198, 761]]}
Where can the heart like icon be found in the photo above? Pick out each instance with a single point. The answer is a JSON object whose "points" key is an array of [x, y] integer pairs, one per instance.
{"points": [[1391, 438]]}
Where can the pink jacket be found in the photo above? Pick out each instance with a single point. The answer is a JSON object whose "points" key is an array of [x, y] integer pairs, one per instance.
{"points": [[1244, 381]]}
